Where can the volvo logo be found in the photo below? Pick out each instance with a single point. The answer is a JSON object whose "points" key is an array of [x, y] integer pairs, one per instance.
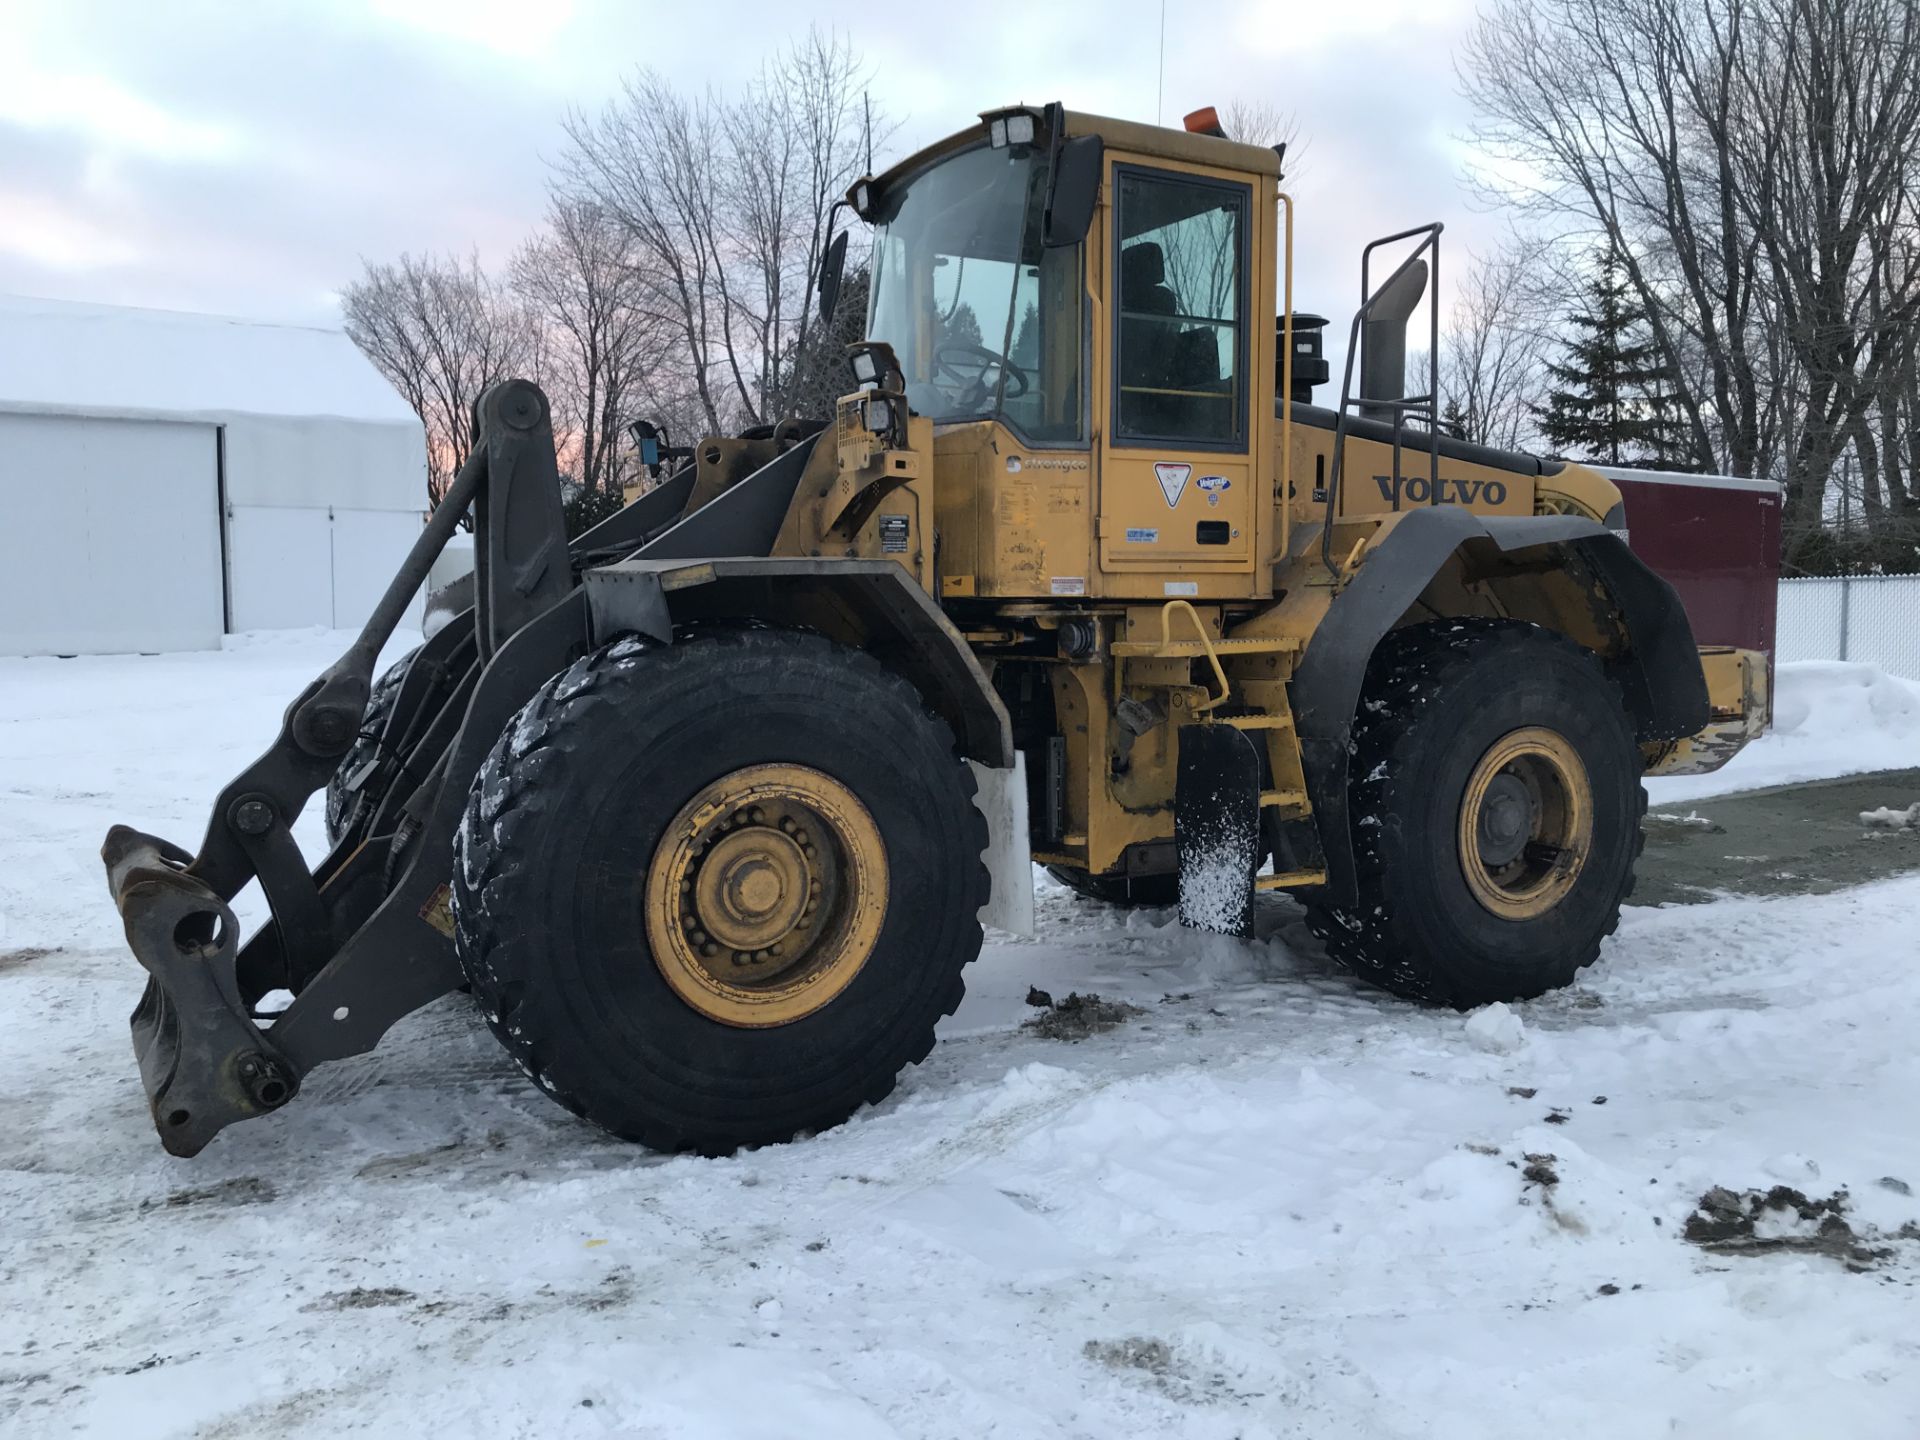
{"points": [[1415, 490]]}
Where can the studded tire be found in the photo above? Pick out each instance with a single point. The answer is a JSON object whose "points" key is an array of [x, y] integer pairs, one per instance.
{"points": [[365, 746], [1439, 699], [566, 826]]}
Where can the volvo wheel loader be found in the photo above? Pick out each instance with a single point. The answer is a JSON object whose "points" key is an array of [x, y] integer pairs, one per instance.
{"points": [[709, 806]]}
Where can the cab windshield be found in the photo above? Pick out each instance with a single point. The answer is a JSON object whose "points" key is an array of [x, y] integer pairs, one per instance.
{"points": [[984, 319]]}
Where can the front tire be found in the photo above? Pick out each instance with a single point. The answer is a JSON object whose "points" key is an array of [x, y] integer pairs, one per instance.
{"points": [[1496, 812], [342, 802], [714, 894]]}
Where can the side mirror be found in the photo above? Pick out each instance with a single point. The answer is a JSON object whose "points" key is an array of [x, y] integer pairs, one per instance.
{"points": [[646, 439], [1072, 190], [832, 265]]}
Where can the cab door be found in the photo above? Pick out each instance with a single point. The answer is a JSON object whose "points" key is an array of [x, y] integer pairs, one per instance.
{"points": [[1177, 502]]}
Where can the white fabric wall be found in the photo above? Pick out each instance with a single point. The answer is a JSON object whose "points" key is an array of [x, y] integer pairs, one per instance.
{"points": [[302, 461], [109, 536], [324, 471], [295, 567], [320, 512]]}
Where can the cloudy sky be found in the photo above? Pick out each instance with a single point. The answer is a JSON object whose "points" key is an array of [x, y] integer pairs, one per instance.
{"points": [[241, 158]]}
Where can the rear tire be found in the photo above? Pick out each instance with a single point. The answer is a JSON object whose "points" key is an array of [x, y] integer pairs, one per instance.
{"points": [[648, 795], [1149, 891], [340, 800], [1496, 811]]}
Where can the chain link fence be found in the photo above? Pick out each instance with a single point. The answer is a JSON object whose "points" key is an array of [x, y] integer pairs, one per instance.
{"points": [[1871, 618]]}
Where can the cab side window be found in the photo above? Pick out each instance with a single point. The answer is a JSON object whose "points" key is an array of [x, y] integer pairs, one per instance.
{"points": [[1181, 331]]}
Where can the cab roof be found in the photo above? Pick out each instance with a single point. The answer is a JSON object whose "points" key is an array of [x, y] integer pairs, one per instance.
{"points": [[1132, 136]]}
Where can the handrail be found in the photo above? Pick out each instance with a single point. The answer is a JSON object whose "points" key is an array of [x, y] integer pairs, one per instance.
{"points": [[1369, 298], [1206, 643], [1286, 385]]}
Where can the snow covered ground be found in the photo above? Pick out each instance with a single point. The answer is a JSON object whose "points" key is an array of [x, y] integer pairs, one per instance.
{"points": [[1274, 1203]]}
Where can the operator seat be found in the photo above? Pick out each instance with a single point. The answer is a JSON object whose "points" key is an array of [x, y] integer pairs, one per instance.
{"points": [[1146, 341]]}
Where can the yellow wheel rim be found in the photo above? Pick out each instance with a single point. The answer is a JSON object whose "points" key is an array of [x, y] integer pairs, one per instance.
{"points": [[766, 895], [1526, 823]]}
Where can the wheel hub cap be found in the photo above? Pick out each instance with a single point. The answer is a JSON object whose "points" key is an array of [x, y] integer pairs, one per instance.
{"points": [[1506, 819], [766, 895], [1526, 823]]}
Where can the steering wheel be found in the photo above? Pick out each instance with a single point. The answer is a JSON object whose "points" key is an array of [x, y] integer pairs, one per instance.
{"points": [[949, 359]]}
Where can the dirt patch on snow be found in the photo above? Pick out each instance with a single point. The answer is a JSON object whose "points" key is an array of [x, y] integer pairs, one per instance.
{"points": [[1136, 1352], [362, 1298], [24, 956], [1078, 1016], [1749, 1222], [241, 1190]]}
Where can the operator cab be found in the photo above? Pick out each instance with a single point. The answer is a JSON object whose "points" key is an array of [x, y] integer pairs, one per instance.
{"points": [[984, 317]]}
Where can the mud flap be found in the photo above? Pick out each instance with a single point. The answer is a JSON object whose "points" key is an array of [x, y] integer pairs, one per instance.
{"points": [[1216, 827], [1002, 798]]}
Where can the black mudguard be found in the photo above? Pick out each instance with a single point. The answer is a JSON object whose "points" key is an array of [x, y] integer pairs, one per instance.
{"points": [[1660, 674], [1216, 827]]}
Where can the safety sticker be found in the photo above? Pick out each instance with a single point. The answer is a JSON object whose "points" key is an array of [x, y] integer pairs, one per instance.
{"points": [[1138, 535], [438, 911], [893, 534], [1173, 479], [1213, 485], [1182, 587], [1069, 585]]}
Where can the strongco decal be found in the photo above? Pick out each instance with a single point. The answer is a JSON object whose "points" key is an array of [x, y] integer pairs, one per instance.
{"points": [[1213, 485], [1415, 490]]}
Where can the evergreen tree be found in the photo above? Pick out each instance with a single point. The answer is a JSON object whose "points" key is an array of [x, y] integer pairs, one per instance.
{"points": [[1612, 402]]}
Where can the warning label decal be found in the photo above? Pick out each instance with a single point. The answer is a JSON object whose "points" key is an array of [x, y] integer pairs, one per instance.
{"points": [[1173, 480]]}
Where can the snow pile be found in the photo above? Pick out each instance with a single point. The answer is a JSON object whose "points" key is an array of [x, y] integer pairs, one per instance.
{"points": [[1829, 718], [1496, 1029], [1887, 818], [1272, 1203]]}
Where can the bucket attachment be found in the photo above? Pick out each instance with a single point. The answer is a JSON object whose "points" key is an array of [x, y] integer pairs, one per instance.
{"points": [[366, 936], [1216, 827]]}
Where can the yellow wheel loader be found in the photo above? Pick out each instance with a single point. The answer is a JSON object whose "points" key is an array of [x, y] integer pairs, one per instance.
{"points": [[709, 806]]}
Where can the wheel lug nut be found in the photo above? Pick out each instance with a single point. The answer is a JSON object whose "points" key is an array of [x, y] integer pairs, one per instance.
{"points": [[709, 950], [786, 824], [774, 950], [757, 815], [741, 957], [699, 936]]}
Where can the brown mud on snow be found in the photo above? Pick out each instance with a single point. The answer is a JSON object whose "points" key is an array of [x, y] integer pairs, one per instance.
{"points": [[26, 955], [1727, 1222], [1078, 1016]]}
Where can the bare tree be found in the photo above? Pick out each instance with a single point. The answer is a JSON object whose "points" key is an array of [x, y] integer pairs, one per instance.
{"points": [[579, 283], [1592, 112], [1827, 158], [1261, 122], [1752, 162], [442, 331], [1493, 350], [726, 204]]}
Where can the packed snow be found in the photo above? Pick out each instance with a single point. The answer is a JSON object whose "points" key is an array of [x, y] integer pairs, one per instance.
{"points": [[1267, 1201], [1830, 717]]}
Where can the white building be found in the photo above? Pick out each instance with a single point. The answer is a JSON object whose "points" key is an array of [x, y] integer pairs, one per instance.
{"points": [[166, 478]]}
